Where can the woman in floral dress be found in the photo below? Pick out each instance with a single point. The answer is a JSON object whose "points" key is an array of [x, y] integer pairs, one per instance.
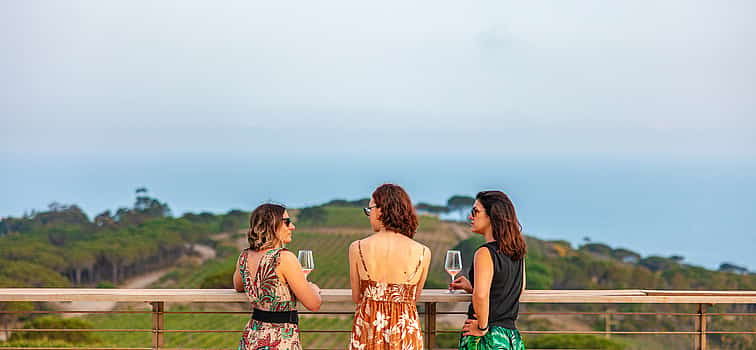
{"points": [[387, 273], [273, 280], [497, 276]]}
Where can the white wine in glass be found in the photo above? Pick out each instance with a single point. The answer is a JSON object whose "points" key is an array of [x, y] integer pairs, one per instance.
{"points": [[453, 263], [306, 260]]}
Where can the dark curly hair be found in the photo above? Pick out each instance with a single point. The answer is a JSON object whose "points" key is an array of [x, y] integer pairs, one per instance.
{"points": [[507, 230], [263, 224], [397, 212]]}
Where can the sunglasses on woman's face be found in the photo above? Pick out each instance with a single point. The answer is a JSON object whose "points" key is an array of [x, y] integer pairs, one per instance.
{"points": [[368, 210], [474, 211], [287, 221]]}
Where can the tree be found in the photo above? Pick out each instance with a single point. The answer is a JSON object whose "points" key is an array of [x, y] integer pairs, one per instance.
{"points": [[658, 263], [728, 267], [62, 214], [597, 249], [626, 256], [431, 208], [313, 215], [150, 206], [80, 258], [104, 219], [362, 202], [145, 208], [460, 204]]}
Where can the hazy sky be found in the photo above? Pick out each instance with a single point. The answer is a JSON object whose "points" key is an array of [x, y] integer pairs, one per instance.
{"points": [[674, 78]]}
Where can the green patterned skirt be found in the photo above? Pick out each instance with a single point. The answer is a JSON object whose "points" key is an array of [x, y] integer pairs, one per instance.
{"points": [[497, 338]]}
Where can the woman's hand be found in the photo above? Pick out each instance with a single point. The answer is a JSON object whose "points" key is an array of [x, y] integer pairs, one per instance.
{"points": [[461, 282], [471, 328]]}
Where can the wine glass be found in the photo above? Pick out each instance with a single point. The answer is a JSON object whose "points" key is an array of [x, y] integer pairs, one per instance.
{"points": [[306, 260], [453, 263]]}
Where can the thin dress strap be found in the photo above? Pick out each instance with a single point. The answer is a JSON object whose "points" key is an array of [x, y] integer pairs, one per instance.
{"points": [[417, 267], [359, 246]]}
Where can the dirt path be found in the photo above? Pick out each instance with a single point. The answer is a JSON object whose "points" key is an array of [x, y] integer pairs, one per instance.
{"points": [[462, 232], [136, 282], [205, 252]]}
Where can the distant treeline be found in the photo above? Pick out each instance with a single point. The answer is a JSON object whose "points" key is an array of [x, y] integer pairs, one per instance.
{"points": [[61, 247], [316, 215]]}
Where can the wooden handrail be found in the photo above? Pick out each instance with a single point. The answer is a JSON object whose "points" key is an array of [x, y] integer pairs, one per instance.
{"points": [[344, 296]]}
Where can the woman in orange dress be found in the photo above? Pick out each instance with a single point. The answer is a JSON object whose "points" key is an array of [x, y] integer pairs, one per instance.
{"points": [[387, 272]]}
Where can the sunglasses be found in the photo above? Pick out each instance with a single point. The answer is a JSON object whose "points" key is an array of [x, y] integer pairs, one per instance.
{"points": [[474, 211], [287, 221], [368, 210]]}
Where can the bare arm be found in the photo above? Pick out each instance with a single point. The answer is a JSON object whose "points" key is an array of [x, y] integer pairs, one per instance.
{"points": [[482, 288], [425, 264], [524, 281], [238, 283], [307, 293], [354, 272]]}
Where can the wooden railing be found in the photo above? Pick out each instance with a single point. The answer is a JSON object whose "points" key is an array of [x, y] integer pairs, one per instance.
{"points": [[429, 300]]}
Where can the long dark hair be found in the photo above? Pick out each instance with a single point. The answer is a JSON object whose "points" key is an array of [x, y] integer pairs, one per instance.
{"points": [[507, 230], [263, 224], [397, 212]]}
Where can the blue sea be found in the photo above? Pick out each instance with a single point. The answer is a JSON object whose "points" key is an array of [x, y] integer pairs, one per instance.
{"points": [[701, 209]]}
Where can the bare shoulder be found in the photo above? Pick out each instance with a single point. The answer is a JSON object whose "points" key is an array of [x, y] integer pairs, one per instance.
{"points": [[355, 244], [421, 249], [287, 256], [483, 253], [418, 245], [426, 250]]}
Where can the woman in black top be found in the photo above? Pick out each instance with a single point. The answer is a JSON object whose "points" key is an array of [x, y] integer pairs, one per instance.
{"points": [[497, 277]]}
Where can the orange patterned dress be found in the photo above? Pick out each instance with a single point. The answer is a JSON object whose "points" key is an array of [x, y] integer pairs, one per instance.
{"points": [[386, 317]]}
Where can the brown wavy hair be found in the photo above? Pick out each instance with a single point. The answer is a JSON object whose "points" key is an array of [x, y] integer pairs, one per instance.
{"points": [[397, 212], [263, 224], [507, 230]]}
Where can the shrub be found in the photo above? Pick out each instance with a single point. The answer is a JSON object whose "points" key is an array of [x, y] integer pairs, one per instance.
{"points": [[105, 284], [51, 322]]}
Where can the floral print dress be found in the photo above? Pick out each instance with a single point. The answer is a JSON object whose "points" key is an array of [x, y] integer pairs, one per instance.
{"points": [[386, 317], [267, 292]]}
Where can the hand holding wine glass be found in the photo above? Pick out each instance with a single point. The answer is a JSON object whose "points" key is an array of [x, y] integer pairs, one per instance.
{"points": [[453, 263], [306, 260], [462, 283]]}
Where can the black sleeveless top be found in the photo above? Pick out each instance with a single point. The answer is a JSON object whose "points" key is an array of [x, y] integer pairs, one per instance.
{"points": [[506, 287]]}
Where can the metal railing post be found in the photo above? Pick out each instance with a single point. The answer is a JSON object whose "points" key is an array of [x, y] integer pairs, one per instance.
{"points": [[158, 324], [430, 326], [608, 323], [701, 339]]}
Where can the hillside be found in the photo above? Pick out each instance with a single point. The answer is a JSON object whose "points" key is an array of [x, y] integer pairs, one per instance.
{"points": [[61, 247]]}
